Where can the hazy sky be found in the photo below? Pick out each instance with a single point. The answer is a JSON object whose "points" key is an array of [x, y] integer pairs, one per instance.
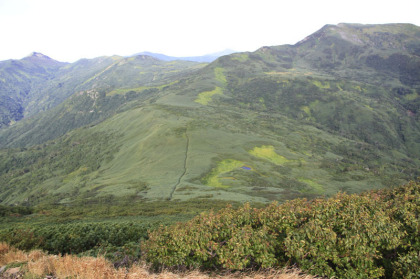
{"points": [[70, 30]]}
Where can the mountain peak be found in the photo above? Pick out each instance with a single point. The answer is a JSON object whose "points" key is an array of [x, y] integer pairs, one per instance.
{"points": [[37, 55], [38, 58], [390, 36]]}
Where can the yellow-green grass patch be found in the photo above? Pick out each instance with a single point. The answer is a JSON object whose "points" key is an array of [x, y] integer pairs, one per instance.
{"points": [[219, 75], [358, 88], [322, 85], [267, 152], [318, 188], [411, 97], [205, 97], [307, 110], [225, 166]]}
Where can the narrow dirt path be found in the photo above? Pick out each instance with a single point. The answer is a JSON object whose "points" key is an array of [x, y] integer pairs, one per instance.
{"points": [[185, 165]]}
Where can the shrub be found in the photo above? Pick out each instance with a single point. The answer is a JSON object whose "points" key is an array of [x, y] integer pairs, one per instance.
{"points": [[372, 235], [345, 237], [74, 238]]}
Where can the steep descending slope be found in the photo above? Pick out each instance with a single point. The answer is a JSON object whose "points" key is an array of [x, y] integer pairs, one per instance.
{"points": [[108, 73], [282, 122], [17, 77], [68, 80]]}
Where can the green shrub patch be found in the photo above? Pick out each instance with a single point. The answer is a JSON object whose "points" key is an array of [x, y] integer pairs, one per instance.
{"points": [[371, 235]]}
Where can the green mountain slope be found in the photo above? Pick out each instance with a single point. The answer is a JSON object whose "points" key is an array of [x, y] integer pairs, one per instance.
{"points": [[89, 91], [17, 77], [333, 112]]}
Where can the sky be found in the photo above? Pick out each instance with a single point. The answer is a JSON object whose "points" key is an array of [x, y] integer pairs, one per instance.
{"points": [[70, 30]]}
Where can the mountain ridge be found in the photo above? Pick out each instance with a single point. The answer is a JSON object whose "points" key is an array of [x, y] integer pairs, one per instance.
{"points": [[37, 63]]}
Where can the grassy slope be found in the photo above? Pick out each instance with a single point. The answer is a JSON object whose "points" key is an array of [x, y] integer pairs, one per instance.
{"points": [[274, 124], [150, 151]]}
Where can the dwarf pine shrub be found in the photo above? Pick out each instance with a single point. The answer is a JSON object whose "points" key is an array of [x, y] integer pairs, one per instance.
{"points": [[371, 235]]}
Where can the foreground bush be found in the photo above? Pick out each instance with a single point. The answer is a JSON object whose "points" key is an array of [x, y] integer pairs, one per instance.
{"points": [[74, 238], [373, 235]]}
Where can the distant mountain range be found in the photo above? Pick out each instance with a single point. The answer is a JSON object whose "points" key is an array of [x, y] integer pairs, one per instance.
{"points": [[205, 58], [338, 111]]}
